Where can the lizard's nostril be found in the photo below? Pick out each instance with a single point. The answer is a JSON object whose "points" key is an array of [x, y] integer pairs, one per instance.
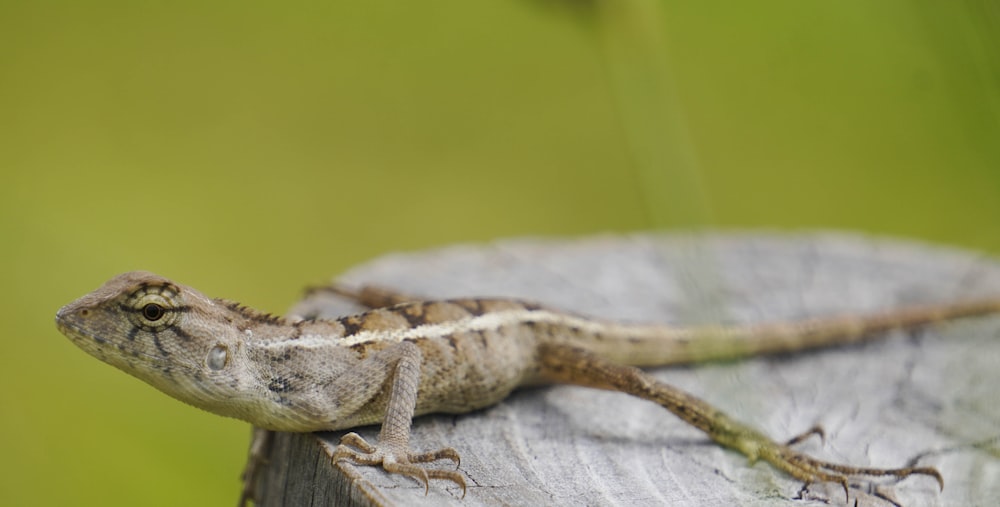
{"points": [[85, 313]]}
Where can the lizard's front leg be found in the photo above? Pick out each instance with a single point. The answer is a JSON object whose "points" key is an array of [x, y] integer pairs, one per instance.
{"points": [[392, 450]]}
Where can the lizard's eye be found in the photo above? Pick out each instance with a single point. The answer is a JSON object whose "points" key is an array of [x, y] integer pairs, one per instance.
{"points": [[154, 307], [152, 312]]}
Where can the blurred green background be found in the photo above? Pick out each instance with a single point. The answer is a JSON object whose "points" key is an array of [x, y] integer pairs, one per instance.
{"points": [[252, 148]]}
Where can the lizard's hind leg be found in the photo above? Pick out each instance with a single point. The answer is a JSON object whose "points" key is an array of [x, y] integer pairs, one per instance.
{"points": [[371, 296], [568, 364]]}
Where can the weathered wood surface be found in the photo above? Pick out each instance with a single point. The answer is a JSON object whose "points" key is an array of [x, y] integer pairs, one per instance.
{"points": [[932, 394]]}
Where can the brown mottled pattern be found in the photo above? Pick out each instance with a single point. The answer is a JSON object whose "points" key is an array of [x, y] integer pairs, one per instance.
{"points": [[441, 311]]}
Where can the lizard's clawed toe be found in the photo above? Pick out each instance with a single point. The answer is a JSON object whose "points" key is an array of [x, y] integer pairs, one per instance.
{"points": [[354, 440], [427, 457], [815, 430]]}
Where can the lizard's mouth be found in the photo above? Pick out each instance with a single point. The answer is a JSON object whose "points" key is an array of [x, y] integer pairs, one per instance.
{"points": [[74, 332], [95, 345]]}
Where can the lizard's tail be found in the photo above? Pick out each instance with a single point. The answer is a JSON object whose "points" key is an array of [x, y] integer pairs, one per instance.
{"points": [[652, 345]]}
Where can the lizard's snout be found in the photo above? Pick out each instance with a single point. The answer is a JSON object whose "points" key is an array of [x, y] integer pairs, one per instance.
{"points": [[63, 313], [62, 316], [71, 313]]}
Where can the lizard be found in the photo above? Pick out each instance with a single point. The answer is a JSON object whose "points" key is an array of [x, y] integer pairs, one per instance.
{"points": [[406, 358]]}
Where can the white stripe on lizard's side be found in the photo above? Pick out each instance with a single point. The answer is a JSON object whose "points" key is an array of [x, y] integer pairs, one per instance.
{"points": [[484, 322]]}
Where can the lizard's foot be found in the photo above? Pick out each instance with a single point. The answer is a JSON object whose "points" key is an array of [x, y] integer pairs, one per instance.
{"points": [[811, 470], [397, 459]]}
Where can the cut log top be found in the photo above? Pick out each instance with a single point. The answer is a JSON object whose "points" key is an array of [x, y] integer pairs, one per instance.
{"points": [[930, 394]]}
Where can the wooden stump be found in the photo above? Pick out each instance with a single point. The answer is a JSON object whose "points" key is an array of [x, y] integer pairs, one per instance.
{"points": [[930, 397]]}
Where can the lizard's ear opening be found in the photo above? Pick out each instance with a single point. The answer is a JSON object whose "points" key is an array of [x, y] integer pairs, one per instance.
{"points": [[217, 357]]}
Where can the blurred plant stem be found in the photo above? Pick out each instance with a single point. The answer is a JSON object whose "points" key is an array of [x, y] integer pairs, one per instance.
{"points": [[631, 39]]}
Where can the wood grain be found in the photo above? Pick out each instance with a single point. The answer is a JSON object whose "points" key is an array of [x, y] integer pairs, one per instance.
{"points": [[931, 394]]}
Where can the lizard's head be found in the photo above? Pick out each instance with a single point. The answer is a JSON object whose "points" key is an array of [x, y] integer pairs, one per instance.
{"points": [[160, 332]]}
